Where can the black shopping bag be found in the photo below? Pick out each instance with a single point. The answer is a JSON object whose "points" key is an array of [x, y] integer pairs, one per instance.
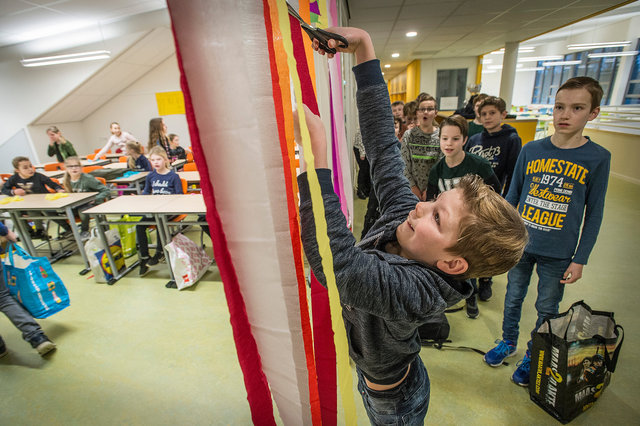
{"points": [[572, 359]]}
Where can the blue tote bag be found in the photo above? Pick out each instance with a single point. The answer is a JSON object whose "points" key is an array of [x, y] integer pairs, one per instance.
{"points": [[33, 283]]}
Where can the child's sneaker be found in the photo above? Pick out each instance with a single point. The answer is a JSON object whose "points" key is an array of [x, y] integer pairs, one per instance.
{"points": [[143, 267], [42, 344], [521, 375], [155, 259], [496, 356], [472, 307], [3, 348]]}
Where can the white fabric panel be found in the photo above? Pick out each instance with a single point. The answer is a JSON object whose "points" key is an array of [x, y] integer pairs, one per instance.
{"points": [[225, 57]]}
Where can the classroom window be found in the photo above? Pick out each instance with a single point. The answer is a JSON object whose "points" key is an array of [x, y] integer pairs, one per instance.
{"points": [[632, 94], [549, 80]]}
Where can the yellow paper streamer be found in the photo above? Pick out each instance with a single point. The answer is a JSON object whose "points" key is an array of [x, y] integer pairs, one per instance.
{"points": [[55, 196], [345, 381], [8, 200]]}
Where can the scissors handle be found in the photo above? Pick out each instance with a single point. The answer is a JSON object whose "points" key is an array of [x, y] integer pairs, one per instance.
{"points": [[323, 38]]}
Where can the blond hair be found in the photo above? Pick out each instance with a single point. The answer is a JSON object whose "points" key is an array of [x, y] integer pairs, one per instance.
{"points": [[159, 151], [492, 235], [135, 147], [66, 182]]}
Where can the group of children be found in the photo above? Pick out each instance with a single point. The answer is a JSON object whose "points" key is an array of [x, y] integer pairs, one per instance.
{"points": [[486, 207], [162, 179]]}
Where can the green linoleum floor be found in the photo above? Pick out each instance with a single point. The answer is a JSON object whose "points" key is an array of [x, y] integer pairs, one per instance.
{"points": [[137, 353]]}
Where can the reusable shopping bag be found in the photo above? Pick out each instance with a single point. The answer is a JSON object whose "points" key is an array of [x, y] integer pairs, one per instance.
{"points": [[573, 357], [33, 283], [188, 261], [127, 234], [98, 260]]}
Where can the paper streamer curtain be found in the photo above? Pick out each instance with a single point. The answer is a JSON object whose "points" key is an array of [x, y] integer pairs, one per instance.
{"points": [[238, 61]]}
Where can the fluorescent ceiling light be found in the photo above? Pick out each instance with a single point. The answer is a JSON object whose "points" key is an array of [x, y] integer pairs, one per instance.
{"points": [[530, 69], [387, 66], [539, 58], [484, 71], [597, 45], [554, 64], [499, 67], [523, 49], [395, 55], [613, 54], [412, 34], [64, 59]]}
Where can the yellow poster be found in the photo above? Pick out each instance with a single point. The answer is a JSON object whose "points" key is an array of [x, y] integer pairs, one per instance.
{"points": [[170, 103]]}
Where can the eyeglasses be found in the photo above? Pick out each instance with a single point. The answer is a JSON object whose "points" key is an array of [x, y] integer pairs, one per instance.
{"points": [[430, 109]]}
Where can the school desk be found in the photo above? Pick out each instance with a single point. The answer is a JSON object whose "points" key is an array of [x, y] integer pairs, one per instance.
{"points": [[116, 166], [56, 174], [160, 207], [29, 208], [193, 179], [134, 182]]}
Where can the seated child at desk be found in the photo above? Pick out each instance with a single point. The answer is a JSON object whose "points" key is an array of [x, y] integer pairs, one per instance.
{"points": [[161, 181], [27, 181], [176, 152], [76, 181], [137, 161]]}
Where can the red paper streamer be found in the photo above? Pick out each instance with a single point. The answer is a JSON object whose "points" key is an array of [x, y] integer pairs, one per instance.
{"points": [[258, 393]]}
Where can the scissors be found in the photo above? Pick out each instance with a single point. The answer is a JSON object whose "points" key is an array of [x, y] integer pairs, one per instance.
{"points": [[317, 34]]}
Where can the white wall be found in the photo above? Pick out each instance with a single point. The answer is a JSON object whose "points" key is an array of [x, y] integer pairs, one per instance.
{"points": [[429, 71], [132, 108], [29, 92], [135, 106]]}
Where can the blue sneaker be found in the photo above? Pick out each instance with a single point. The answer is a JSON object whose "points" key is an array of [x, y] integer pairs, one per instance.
{"points": [[495, 356], [521, 375]]}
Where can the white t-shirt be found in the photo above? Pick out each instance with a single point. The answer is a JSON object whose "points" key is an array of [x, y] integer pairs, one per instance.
{"points": [[117, 142]]}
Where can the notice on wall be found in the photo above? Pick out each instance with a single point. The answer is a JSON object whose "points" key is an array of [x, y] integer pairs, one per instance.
{"points": [[448, 103], [170, 103]]}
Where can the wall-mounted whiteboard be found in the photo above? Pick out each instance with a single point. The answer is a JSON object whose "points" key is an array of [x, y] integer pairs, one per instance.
{"points": [[16, 145]]}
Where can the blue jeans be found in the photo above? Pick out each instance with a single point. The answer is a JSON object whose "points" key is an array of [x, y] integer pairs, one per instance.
{"points": [[16, 313], [550, 291], [406, 404]]}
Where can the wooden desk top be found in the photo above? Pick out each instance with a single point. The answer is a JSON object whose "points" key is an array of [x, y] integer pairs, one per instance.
{"points": [[38, 202], [116, 166], [129, 204], [130, 179], [190, 177], [182, 204], [52, 174], [150, 204]]}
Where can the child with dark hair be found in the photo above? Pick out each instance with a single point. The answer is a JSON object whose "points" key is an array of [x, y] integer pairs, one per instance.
{"points": [[176, 152], [475, 125], [27, 181], [559, 186], [500, 145], [420, 148], [447, 172]]}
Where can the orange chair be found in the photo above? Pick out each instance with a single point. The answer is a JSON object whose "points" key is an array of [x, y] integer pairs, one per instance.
{"points": [[5, 176], [123, 159], [189, 157], [101, 180], [51, 189], [87, 169], [92, 156], [53, 167], [190, 167]]}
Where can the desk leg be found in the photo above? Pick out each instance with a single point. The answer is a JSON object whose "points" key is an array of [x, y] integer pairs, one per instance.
{"points": [[76, 235], [23, 230], [164, 228], [138, 190]]}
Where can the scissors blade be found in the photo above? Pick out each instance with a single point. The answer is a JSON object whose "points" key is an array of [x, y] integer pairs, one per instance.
{"points": [[294, 13]]}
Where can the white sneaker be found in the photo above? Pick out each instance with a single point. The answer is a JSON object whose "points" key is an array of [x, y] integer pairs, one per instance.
{"points": [[45, 347]]}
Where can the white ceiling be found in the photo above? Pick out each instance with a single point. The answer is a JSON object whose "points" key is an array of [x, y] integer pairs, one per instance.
{"points": [[456, 28], [446, 28]]}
